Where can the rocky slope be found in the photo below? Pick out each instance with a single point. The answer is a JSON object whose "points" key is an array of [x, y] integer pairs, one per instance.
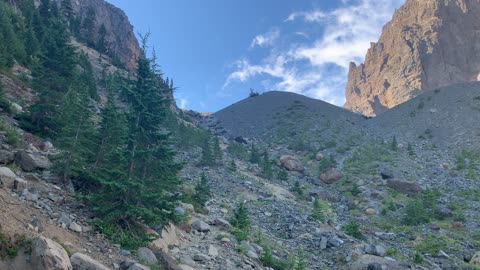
{"points": [[427, 44]]}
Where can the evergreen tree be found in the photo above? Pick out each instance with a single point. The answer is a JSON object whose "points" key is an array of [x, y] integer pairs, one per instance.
{"points": [[202, 191], [77, 133], [394, 144], [217, 151], [207, 155], [4, 103], [254, 155], [282, 174], [267, 166], [241, 218], [233, 166], [102, 42]]}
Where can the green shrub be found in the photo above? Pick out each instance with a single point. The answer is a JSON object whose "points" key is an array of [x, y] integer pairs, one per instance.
{"points": [[417, 258], [13, 137], [241, 222], [129, 239], [326, 164], [432, 244], [282, 174], [352, 228], [320, 210]]}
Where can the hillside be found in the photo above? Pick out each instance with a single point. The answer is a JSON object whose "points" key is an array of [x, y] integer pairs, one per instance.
{"points": [[426, 45]]}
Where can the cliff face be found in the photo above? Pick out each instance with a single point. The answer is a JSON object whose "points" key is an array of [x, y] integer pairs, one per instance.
{"points": [[427, 44], [119, 38]]}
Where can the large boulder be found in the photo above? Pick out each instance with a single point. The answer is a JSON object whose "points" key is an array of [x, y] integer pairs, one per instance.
{"points": [[331, 176], [7, 177], [30, 161], [146, 255], [475, 259], [6, 156], [48, 255], [291, 163], [409, 188], [200, 226], [83, 262]]}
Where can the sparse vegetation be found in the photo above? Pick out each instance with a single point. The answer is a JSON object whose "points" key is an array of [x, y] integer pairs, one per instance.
{"points": [[241, 222], [202, 191], [13, 137], [352, 228], [321, 210], [326, 164]]}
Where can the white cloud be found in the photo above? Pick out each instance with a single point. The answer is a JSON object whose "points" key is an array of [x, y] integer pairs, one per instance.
{"points": [[319, 69], [183, 103], [266, 39], [309, 16]]}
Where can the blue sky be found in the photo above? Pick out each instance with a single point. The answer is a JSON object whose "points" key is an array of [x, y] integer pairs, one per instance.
{"points": [[216, 50]]}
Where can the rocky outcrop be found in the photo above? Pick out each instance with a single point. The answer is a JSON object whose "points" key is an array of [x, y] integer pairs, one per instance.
{"points": [[291, 163], [427, 44], [48, 255], [84, 262], [120, 39]]}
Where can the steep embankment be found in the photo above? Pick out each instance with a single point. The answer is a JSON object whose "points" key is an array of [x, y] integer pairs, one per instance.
{"points": [[447, 117], [427, 44], [275, 111]]}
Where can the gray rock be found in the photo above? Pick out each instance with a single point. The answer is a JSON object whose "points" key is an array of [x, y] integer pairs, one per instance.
{"points": [[323, 243], [335, 242], [20, 184], [212, 251], [6, 156], [75, 227], [201, 258], [124, 265], [83, 262], [409, 188], [48, 255], [200, 226], [252, 255], [64, 219], [125, 252], [179, 211], [32, 161], [146, 255], [7, 177], [376, 250], [137, 266], [37, 223], [221, 223], [442, 254]]}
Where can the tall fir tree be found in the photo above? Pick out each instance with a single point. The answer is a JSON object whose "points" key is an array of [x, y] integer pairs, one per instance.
{"points": [[217, 151], [267, 166], [207, 155], [202, 191], [254, 155]]}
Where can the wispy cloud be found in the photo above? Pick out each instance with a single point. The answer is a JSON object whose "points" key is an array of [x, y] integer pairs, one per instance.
{"points": [[318, 66], [309, 16], [266, 39]]}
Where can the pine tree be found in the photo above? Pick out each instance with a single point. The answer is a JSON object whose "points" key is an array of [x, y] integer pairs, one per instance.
{"points": [[233, 166], [217, 151], [282, 174], [102, 42], [394, 144], [241, 218], [202, 191], [267, 166], [254, 155], [207, 155], [77, 133]]}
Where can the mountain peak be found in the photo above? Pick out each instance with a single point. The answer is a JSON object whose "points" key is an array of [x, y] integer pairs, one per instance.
{"points": [[427, 44]]}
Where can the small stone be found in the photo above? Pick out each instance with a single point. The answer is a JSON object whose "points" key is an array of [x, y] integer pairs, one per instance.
{"points": [[435, 227], [323, 243], [458, 225], [20, 184], [268, 214], [442, 254], [179, 211], [64, 219], [376, 250], [146, 255], [200, 258], [212, 251], [252, 254], [137, 266], [370, 212], [200, 226], [75, 227], [124, 252]]}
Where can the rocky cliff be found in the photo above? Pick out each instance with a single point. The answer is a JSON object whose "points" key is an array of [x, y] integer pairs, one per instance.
{"points": [[120, 40], [427, 44]]}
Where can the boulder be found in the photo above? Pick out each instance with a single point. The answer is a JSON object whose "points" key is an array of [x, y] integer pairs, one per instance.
{"points": [[370, 212], [168, 261], [75, 227], [137, 266], [7, 177], [189, 207], [475, 260], [32, 161], [319, 156], [6, 156], [212, 251], [20, 184], [84, 262], [331, 176], [201, 258], [221, 223], [48, 255], [168, 238], [376, 250], [146, 255], [200, 226], [291, 163], [64, 219], [408, 188]]}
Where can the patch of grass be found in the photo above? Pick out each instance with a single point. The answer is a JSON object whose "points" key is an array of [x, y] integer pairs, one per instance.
{"points": [[422, 209], [432, 244], [9, 246], [131, 239], [326, 164], [366, 160], [392, 251]]}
